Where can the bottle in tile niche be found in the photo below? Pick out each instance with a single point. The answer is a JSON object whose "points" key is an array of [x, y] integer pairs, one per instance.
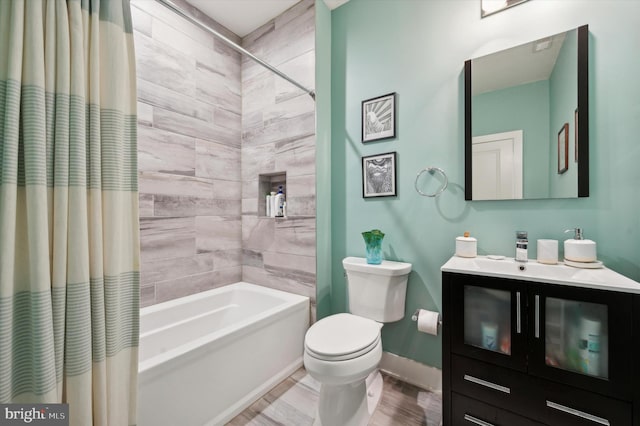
{"points": [[267, 205], [522, 244], [272, 204], [279, 203]]}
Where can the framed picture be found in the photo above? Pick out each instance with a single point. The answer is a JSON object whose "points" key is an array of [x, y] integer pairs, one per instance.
{"points": [[379, 118], [563, 149], [575, 140], [379, 175]]}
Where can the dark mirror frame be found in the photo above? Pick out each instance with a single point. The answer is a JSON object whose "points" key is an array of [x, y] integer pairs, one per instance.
{"points": [[583, 121]]}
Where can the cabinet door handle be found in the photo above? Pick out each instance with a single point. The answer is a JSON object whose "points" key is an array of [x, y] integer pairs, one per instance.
{"points": [[537, 322], [475, 420], [577, 413], [487, 384], [518, 314]]}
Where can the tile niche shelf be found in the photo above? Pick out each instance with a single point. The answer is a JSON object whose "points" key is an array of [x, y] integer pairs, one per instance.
{"points": [[269, 182]]}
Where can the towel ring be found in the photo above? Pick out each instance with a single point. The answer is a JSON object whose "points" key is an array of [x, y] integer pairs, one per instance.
{"points": [[432, 170]]}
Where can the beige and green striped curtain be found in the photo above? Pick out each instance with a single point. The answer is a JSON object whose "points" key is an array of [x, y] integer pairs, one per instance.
{"points": [[69, 247]]}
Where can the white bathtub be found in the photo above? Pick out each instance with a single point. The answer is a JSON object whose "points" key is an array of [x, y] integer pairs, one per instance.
{"points": [[206, 357]]}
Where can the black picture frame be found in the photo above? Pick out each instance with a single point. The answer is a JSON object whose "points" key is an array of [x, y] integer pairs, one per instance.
{"points": [[378, 117], [379, 175]]}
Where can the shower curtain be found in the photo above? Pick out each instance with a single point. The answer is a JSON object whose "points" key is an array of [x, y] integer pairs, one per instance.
{"points": [[69, 247]]}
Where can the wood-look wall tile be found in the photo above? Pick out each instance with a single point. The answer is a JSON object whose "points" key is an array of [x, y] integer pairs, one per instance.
{"points": [[258, 233], [174, 206], [301, 185], [250, 188], [157, 270], [215, 233], [250, 207], [285, 130], [141, 20], [189, 126], [184, 286], [272, 279], [218, 82], [302, 69], [165, 66], [289, 109], [162, 238], [162, 13], [215, 88], [257, 34], [258, 159], [145, 205], [168, 184], [162, 97], [291, 263], [226, 276], [217, 207], [252, 258], [295, 236], [227, 190], [217, 161], [147, 295], [229, 119], [221, 64], [297, 157], [227, 51], [167, 34], [145, 114], [227, 258], [258, 96], [166, 152], [294, 13], [301, 206]]}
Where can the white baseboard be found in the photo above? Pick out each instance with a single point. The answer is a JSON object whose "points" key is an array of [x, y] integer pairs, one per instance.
{"points": [[413, 372]]}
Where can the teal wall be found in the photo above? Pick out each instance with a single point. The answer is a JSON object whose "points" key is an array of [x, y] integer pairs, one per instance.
{"points": [[524, 107], [417, 49], [323, 157], [563, 91]]}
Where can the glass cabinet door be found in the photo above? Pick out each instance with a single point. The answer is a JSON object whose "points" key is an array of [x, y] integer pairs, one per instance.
{"points": [[577, 336], [581, 337], [487, 318]]}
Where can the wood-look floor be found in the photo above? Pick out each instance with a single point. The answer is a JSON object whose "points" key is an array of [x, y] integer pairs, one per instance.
{"points": [[293, 403]]}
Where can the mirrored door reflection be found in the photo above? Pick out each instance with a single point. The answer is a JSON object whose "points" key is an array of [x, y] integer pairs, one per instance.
{"points": [[576, 337], [487, 319]]}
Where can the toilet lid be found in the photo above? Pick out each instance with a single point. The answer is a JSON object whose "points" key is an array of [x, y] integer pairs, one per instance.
{"points": [[342, 336]]}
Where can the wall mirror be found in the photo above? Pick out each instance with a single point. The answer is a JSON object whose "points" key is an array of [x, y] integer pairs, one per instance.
{"points": [[527, 120], [489, 7]]}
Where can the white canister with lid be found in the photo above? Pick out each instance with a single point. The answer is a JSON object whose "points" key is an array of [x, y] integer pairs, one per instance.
{"points": [[466, 246]]}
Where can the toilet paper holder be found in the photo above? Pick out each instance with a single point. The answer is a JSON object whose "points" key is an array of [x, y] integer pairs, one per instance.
{"points": [[414, 317]]}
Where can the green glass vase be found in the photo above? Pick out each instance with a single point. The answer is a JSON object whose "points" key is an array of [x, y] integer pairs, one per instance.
{"points": [[373, 245]]}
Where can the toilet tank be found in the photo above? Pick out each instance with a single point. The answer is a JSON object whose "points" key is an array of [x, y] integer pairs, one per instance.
{"points": [[377, 292]]}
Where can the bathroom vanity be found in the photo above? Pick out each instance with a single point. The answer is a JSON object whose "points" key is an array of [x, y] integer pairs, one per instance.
{"points": [[533, 344]]}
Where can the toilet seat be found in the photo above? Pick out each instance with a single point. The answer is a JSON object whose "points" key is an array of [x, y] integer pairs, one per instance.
{"points": [[342, 337]]}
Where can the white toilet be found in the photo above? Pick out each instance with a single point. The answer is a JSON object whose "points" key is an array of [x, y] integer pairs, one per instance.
{"points": [[342, 350]]}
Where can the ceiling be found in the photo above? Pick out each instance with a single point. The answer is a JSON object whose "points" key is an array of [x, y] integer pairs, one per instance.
{"points": [[518, 65], [244, 16]]}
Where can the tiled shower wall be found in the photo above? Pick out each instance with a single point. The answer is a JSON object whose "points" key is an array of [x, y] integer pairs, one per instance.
{"points": [[278, 135], [203, 116], [189, 137]]}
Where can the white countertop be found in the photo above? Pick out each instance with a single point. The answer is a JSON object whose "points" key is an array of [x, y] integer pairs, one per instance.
{"points": [[602, 278]]}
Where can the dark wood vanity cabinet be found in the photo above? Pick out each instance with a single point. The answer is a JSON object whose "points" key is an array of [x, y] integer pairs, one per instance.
{"points": [[528, 353]]}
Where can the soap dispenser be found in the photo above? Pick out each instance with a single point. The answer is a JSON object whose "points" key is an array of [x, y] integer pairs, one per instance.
{"points": [[578, 249]]}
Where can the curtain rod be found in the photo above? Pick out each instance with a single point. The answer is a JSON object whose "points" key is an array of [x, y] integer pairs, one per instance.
{"points": [[168, 4]]}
